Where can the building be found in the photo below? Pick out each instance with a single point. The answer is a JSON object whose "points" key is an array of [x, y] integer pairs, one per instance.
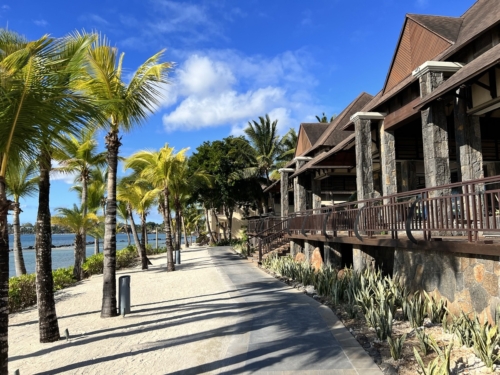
{"points": [[419, 163]]}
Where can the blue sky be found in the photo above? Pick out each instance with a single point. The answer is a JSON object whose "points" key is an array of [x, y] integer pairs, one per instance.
{"points": [[234, 60]]}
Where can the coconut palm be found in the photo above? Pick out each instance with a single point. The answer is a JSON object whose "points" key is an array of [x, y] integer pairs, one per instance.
{"points": [[324, 119], [159, 169], [79, 155], [78, 222], [135, 195], [124, 106], [265, 141], [287, 146], [21, 182], [122, 211], [37, 105]]}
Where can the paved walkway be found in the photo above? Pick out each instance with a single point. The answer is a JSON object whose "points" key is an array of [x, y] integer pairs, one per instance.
{"points": [[216, 314]]}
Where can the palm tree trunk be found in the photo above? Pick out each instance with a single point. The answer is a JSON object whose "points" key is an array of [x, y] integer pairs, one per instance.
{"points": [[48, 325], [128, 232], [79, 251], [208, 225], [18, 250], [229, 217], [84, 212], [109, 273], [178, 225], [134, 232], [96, 245], [168, 232], [218, 225], [4, 278], [185, 233], [144, 258]]}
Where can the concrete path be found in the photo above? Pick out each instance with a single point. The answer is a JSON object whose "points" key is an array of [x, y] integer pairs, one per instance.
{"points": [[217, 314], [283, 330]]}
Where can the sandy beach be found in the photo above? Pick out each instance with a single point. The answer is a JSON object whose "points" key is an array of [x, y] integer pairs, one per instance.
{"points": [[171, 327]]}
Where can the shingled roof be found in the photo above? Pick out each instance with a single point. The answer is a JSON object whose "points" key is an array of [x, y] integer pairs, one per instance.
{"points": [[335, 134], [315, 130], [446, 27]]}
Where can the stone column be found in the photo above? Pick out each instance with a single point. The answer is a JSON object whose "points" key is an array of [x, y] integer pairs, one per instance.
{"points": [[388, 161], [284, 191], [309, 247], [364, 160], [408, 176], [361, 259], [435, 135], [316, 192], [299, 190], [468, 139], [333, 254], [296, 247]]}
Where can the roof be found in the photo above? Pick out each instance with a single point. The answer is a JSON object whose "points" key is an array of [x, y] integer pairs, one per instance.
{"points": [[270, 187], [446, 27], [482, 15], [367, 108], [474, 68], [335, 134], [345, 144], [314, 130]]}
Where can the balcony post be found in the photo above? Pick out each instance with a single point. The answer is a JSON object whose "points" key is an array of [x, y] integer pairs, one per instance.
{"points": [[388, 161], [284, 190], [316, 193], [468, 139]]}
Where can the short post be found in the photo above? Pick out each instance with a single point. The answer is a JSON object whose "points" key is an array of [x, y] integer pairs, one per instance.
{"points": [[260, 250], [124, 295]]}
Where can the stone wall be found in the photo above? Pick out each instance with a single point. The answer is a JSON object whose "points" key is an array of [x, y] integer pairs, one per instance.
{"points": [[373, 256], [470, 283]]}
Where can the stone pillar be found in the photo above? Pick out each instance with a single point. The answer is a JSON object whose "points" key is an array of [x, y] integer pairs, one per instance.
{"points": [[309, 247], [299, 190], [296, 247], [364, 160], [316, 192], [284, 191], [435, 135], [408, 176], [388, 161], [361, 259], [333, 254], [468, 139]]}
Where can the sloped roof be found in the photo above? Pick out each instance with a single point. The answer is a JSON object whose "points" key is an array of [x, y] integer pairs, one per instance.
{"points": [[482, 15], [446, 27], [335, 134], [314, 130], [474, 68], [345, 144]]}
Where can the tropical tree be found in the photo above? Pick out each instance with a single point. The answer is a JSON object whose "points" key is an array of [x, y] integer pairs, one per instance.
{"points": [[122, 211], [76, 220], [264, 139], [324, 119], [125, 106], [159, 169], [21, 182], [79, 155], [135, 195], [37, 104], [287, 146]]}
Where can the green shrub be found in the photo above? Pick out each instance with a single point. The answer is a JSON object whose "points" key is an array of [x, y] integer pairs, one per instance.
{"points": [[396, 346], [232, 242], [22, 292], [126, 257], [63, 277], [94, 265], [150, 250]]}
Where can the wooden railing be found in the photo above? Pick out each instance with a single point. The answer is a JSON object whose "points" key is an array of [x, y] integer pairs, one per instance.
{"points": [[464, 209], [262, 225]]}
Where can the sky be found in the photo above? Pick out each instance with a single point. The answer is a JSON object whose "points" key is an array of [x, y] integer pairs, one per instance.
{"points": [[234, 60]]}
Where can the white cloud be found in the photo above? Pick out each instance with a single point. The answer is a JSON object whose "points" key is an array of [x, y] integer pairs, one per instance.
{"points": [[93, 19], [41, 23], [225, 88]]}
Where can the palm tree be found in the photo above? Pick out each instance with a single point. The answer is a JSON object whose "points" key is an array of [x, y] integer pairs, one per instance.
{"points": [[324, 119], [37, 104], [287, 146], [136, 197], [79, 155], [159, 169], [21, 181], [78, 222], [125, 106], [265, 140], [122, 211]]}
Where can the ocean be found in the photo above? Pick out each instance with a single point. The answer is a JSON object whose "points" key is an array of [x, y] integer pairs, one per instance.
{"points": [[64, 256]]}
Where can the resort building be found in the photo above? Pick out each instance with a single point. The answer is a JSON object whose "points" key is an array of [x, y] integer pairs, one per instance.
{"points": [[409, 179]]}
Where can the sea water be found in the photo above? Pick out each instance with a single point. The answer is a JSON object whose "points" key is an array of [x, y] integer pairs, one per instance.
{"points": [[64, 256]]}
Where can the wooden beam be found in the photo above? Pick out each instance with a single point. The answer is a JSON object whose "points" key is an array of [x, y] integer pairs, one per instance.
{"points": [[493, 83]]}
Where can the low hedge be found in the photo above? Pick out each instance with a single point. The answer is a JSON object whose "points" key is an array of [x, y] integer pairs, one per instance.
{"points": [[22, 289]]}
